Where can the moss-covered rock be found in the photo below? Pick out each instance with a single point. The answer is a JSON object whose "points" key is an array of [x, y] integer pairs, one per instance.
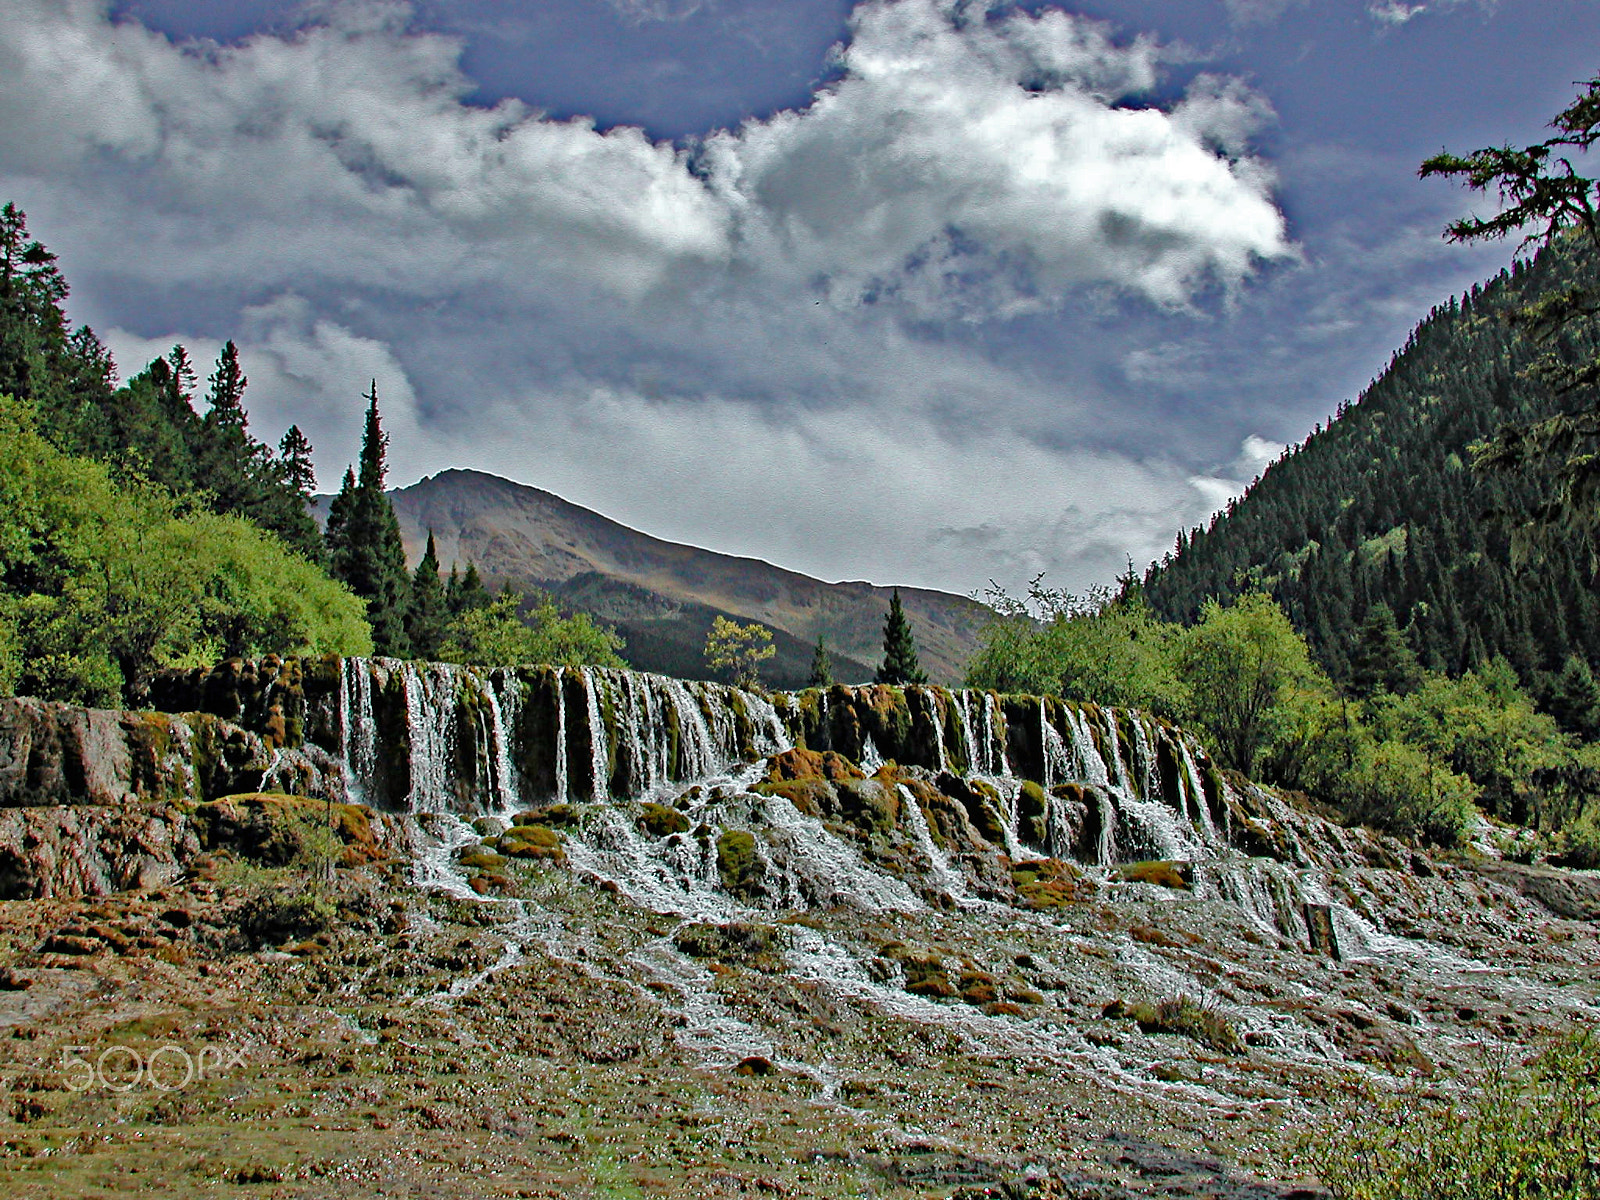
{"points": [[536, 842], [1048, 883], [924, 970], [660, 821], [555, 816], [869, 805], [1179, 876], [277, 830], [753, 945], [977, 988], [480, 859], [739, 865], [981, 803]]}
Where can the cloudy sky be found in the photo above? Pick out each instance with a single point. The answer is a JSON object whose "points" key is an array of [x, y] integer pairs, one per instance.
{"points": [[918, 291]]}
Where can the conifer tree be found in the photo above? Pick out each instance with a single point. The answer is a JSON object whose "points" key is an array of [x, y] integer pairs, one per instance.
{"points": [[228, 460], [365, 548], [899, 648], [1381, 661], [429, 614], [821, 667], [294, 452], [1575, 699], [467, 592]]}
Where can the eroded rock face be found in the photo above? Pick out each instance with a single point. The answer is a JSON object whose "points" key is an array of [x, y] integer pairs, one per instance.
{"points": [[53, 754], [91, 850]]}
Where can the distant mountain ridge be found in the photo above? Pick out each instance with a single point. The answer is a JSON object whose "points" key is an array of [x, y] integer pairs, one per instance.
{"points": [[662, 596]]}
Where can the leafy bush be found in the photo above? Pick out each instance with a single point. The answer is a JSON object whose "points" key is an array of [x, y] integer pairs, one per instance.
{"points": [[1525, 1133], [495, 635], [1100, 648], [101, 583], [1401, 789]]}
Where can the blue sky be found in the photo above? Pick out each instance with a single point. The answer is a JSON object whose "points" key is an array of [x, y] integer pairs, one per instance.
{"points": [[919, 291]]}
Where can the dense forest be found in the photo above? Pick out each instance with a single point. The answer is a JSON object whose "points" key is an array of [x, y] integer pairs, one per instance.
{"points": [[1379, 516]]}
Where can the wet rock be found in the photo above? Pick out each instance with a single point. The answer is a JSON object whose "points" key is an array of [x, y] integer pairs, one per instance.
{"points": [[1567, 894], [1178, 876], [532, 842], [738, 865], [660, 821]]}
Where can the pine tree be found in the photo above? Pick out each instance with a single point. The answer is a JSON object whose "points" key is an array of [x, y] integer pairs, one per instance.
{"points": [[1575, 699], [294, 452], [899, 648], [1381, 661], [228, 461], [364, 545], [467, 592], [821, 667], [429, 614]]}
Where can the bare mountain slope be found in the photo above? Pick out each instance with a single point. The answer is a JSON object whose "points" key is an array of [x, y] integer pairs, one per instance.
{"points": [[663, 595]]}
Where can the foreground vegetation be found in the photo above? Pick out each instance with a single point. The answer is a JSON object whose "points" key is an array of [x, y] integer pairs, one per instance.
{"points": [[1530, 1131]]}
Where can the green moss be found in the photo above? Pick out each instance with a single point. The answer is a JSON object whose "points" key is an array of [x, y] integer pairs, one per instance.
{"points": [[531, 842], [480, 859], [924, 971], [813, 797], [751, 945], [556, 816], [871, 805], [738, 864], [660, 821], [1044, 884]]}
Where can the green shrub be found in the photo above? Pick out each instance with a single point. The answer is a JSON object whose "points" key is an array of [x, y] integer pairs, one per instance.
{"points": [[1526, 1133], [1400, 788]]}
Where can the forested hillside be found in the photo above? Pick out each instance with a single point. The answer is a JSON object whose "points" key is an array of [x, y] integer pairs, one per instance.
{"points": [[1382, 507]]}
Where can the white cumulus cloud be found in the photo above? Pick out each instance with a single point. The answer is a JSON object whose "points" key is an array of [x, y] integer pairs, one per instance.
{"points": [[625, 319]]}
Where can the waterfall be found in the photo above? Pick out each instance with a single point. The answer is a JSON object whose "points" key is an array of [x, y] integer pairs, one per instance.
{"points": [[931, 699], [562, 786], [696, 750], [358, 729], [1057, 764], [599, 776], [976, 765], [948, 879], [1196, 790], [504, 695]]}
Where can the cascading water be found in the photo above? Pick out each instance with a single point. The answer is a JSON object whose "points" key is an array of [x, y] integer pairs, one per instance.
{"points": [[563, 786]]}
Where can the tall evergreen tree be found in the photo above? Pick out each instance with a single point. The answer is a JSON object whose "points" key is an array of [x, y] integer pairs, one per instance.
{"points": [[821, 667], [1381, 661], [228, 461], [1575, 699], [899, 648], [466, 592], [429, 613], [365, 548], [294, 452]]}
